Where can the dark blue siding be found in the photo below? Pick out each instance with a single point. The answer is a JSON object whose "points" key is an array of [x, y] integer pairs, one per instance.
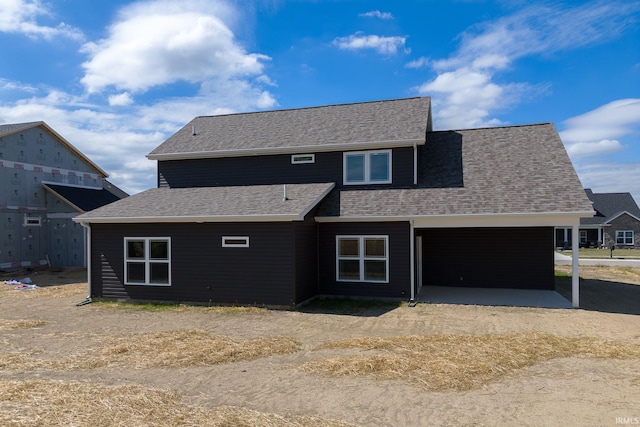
{"points": [[399, 260], [275, 169], [520, 258], [201, 269]]}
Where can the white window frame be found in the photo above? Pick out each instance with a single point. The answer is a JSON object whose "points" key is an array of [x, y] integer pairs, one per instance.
{"points": [[298, 159], [583, 236], [147, 260], [623, 233], [367, 167], [362, 257], [32, 221], [227, 241]]}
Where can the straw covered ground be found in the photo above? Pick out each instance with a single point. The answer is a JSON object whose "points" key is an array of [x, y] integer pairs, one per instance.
{"points": [[328, 364]]}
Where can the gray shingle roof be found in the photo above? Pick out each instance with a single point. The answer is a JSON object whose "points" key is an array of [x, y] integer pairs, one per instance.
{"points": [[504, 170], [209, 204], [609, 205], [15, 127], [361, 125]]}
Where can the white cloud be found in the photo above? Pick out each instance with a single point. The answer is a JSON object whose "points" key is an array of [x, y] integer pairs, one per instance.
{"points": [[160, 42], [418, 63], [613, 120], [377, 14], [583, 149], [491, 47], [19, 16], [121, 99], [381, 44], [611, 177]]}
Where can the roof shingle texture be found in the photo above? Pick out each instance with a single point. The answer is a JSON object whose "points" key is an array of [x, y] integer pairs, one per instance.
{"points": [[505, 170], [211, 202], [14, 127], [392, 120]]}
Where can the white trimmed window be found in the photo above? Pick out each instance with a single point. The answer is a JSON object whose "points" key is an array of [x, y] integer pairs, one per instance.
{"points": [[235, 241], [367, 167], [583, 236], [147, 261], [32, 221], [362, 259], [624, 237], [297, 159]]}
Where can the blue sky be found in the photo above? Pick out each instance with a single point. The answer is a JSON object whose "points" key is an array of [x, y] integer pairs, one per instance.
{"points": [[115, 78]]}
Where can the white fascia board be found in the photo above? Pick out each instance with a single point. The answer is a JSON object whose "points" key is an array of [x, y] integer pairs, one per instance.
{"points": [[622, 213], [351, 146], [545, 219], [189, 219]]}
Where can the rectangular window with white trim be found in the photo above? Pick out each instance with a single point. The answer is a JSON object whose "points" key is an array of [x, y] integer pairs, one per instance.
{"points": [[147, 261], [235, 241], [367, 167], [624, 237], [362, 259], [297, 159]]}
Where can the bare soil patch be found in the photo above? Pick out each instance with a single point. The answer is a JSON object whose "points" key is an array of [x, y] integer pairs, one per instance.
{"points": [[333, 363]]}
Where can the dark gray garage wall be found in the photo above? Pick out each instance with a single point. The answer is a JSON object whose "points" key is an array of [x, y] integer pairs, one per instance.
{"points": [[202, 270], [399, 260], [520, 258]]}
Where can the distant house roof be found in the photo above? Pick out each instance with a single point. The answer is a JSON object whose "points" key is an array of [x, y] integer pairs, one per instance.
{"points": [[8, 129], [213, 204], [609, 206], [83, 199], [493, 171], [366, 125]]}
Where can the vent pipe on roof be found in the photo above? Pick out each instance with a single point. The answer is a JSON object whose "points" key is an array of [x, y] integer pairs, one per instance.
{"points": [[284, 195], [193, 130]]}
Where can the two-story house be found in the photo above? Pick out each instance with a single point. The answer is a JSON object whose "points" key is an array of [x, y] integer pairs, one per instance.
{"points": [[362, 199], [45, 182]]}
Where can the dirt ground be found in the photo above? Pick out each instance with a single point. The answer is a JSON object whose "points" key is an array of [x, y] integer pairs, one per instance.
{"points": [[579, 390]]}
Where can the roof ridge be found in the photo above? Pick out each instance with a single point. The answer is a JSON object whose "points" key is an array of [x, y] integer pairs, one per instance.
{"points": [[496, 127], [315, 107]]}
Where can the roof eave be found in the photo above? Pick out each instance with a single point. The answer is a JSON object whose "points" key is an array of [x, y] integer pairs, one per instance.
{"points": [[369, 145], [188, 219]]}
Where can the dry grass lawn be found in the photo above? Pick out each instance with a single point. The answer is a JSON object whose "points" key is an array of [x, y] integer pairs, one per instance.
{"points": [[111, 364], [459, 362]]}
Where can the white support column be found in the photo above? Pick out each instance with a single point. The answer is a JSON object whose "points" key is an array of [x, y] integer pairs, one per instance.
{"points": [[566, 237], [600, 241], [575, 274]]}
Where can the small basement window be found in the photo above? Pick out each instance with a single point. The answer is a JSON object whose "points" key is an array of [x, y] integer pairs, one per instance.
{"points": [[147, 261], [235, 241], [303, 158], [31, 221]]}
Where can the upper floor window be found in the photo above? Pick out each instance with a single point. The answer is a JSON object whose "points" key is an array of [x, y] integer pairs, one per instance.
{"points": [[367, 167], [624, 237]]}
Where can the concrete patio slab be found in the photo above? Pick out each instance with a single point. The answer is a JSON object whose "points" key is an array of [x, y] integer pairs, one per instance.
{"points": [[489, 296]]}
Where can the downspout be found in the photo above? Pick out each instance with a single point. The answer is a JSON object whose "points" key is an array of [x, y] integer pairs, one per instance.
{"points": [[88, 260], [412, 250], [415, 164]]}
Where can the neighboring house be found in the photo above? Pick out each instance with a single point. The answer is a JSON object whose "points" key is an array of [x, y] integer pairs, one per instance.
{"points": [[617, 222], [362, 199], [45, 181]]}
